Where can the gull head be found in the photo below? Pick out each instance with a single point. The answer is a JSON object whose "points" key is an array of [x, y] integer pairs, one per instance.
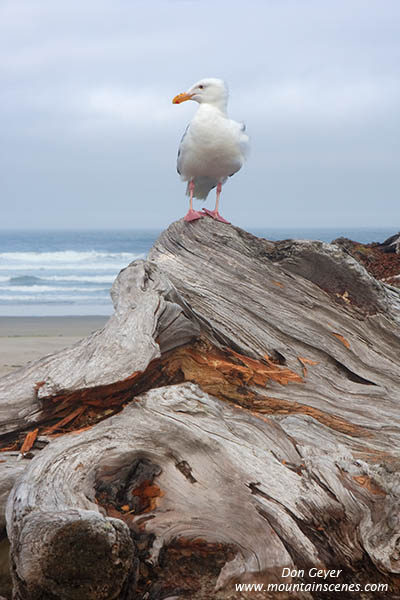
{"points": [[206, 91]]}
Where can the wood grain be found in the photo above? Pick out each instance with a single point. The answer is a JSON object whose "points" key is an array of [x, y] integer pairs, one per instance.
{"points": [[258, 385]]}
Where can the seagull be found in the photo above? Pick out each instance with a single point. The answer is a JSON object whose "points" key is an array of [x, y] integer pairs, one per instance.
{"points": [[213, 146]]}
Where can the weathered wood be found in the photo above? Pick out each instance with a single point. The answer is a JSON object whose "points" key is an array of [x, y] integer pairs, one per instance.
{"points": [[278, 299], [148, 319], [10, 469], [245, 480], [275, 434], [392, 244], [382, 261]]}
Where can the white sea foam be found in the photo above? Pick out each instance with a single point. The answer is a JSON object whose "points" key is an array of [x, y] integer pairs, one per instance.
{"points": [[66, 256], [68, 260], [12, 298], [60, 278], [48, 288], [85, 278], [65, 278], [55, 267]]}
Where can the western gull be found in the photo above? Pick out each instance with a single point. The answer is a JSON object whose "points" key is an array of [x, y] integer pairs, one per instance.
{"points": [[213, 146]]}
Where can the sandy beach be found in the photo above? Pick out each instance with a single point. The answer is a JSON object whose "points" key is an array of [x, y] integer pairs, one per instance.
{"points": [[23, 339]]}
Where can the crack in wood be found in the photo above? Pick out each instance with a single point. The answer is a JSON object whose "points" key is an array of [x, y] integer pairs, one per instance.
{"points": [[186, 470], [225, 374]]}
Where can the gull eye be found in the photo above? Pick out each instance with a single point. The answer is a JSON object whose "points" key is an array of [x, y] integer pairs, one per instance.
{"points": [[201, 87]]}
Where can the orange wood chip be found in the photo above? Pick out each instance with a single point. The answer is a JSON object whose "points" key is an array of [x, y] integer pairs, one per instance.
{"points": [[149, 491], [82, 429], [134, 375], [38, 385], [29, 441], [152, 491], [76, 413], [306, 361], [260, 373], [341, 339], [113, 512], [367, 483], [13, 446]]}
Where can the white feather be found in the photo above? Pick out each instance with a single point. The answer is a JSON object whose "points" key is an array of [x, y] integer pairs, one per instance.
{"points": [[213, 146]]}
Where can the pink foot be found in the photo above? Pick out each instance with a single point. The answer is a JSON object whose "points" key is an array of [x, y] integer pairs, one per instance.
{"points": [[215, 215], [193, 215]]}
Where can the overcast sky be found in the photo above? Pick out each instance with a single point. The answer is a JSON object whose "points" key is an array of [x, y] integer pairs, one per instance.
{"points": [[89, 134]]}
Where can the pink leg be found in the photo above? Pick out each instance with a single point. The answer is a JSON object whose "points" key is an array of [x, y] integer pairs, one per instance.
{"points": [[192, 215], [214, 213]]}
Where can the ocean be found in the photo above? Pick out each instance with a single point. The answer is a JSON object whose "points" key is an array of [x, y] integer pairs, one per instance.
{"points": [[66, 273]]}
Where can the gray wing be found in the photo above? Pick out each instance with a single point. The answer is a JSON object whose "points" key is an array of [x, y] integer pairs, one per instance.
{"points": [[243, 144], [178, 161]]}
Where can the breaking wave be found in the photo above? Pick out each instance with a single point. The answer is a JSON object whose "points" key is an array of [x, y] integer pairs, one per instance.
{"points": [[60, 277]]}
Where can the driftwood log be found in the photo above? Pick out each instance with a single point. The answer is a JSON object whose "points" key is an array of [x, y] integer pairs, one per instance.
{"points": [[392, 244], [238, 415]]}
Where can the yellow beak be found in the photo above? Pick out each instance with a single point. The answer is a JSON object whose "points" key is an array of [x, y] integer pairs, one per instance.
{"points": [[182, 98]]}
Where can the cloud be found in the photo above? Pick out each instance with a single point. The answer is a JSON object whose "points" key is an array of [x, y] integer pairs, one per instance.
{"points": [[143, 107], [317, 105], [86, 105]]}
